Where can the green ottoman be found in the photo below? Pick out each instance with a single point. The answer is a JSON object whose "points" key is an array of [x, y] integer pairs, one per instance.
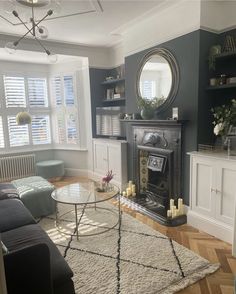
{"points": [[35, 193], [50, 169]]}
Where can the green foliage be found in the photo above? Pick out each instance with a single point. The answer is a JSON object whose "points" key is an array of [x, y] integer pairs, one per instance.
{"points": [[145, 103], [224, 117]]}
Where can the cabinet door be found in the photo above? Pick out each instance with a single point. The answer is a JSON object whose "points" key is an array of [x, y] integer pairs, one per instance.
{"points": [[100, 158], [202, 183], [114, 160], [226, 192]]}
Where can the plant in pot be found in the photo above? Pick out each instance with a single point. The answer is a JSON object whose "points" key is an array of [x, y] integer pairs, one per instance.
{"points": [[224, 118], [148, 106]]}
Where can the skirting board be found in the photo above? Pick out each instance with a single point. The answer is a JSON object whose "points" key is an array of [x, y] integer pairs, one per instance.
{"points": [[211, 226]]}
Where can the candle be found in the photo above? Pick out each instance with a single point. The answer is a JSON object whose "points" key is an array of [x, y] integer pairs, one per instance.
{"points": [[133, 194], [130, 184], [169, 214], [133, 188], [174, 213], [128, 192], [124, 193], [172, 202], [180, 206], [173, 208]]}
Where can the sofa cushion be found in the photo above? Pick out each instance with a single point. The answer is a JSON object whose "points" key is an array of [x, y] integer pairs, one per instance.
{"points": [[7, 190], [13, 215], [32, 235]]}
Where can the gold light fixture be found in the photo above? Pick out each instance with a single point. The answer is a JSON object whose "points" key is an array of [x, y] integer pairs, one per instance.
{"points": [[23, 118]]}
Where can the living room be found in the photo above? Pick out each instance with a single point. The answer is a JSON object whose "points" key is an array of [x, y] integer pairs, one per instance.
{"points": [[69, 72]]}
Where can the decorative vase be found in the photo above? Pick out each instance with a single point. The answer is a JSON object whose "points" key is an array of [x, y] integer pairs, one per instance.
{"points": [[147, 113]]}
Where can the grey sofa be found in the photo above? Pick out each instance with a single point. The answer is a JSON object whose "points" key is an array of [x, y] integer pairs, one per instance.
{"points": [[33, 265]]}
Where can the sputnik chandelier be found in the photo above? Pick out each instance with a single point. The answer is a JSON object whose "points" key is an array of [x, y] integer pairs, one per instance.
{"points": [[34, 26]]}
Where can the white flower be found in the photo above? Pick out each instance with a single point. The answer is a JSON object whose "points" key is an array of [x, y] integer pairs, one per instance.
{"points": [[218, 128]]}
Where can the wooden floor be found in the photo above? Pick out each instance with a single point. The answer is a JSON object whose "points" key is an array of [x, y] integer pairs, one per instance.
{"points": [[203, 244]]}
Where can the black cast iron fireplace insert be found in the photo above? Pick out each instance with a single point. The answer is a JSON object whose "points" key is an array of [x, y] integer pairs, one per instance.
{"points": [[157, 169]]}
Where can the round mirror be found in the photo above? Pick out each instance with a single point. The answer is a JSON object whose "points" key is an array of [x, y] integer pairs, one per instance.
{"points": [[158, 78]]}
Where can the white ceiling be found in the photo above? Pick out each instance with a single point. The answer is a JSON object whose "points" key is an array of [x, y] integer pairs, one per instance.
{"points": [[98, 28]]}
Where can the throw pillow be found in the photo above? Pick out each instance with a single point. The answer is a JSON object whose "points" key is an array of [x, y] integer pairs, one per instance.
{"points": [[7, 191]]}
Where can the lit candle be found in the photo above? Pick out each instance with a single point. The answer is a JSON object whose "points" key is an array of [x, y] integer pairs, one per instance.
{"points": [[124, 193], [169, 214], [172, 203]]}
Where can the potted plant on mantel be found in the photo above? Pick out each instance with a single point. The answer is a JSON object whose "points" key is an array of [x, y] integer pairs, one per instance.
{"points": [[148, 106]]}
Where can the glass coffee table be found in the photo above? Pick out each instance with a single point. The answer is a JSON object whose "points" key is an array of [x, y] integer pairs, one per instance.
{"points": [[85, 196]]}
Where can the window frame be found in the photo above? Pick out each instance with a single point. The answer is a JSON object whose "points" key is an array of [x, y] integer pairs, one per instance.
{"points": [[8, 111]]}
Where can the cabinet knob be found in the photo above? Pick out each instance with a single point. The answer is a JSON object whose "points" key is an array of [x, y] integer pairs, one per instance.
{"points": [[213, 190]]}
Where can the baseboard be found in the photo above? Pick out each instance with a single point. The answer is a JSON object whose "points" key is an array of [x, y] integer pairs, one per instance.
{"points": [[211, 226], [73, 172]]}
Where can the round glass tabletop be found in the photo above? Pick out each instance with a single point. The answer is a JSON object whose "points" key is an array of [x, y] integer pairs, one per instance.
{"points": [[84, 193]]}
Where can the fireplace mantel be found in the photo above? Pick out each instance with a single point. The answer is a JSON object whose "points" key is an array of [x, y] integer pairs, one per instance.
{"points": [[169, 122]]}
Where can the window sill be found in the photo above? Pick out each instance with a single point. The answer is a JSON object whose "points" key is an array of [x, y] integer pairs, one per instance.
{"points": [[18, 151]]}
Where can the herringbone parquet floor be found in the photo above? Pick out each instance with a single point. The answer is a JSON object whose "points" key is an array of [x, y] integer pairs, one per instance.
{"points": [[215, 250]]}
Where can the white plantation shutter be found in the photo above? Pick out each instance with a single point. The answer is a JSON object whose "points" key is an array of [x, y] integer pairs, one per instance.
{"points": [[72, 132], [41, 129], [14, 91], [2, 144], [69, 90], [37, 92], [65, 110], [57, 90], [18, 135]]}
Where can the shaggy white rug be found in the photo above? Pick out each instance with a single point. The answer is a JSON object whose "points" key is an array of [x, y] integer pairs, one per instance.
{"points": [[149, 262]]}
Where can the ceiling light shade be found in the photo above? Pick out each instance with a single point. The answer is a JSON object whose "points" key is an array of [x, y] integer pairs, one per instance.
{"points": [[23, 118], [42, 32], [34, 3], [11, 47], [52, 58]]}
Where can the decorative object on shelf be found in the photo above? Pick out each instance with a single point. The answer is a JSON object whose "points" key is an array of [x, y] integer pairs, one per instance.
{"points": [[110, 94], [23, 118], [148, 106], [109, 78], [229, 44], [222, 80], [213, 82], [231, 80], [175, 113], [214, 50], [224, 118]]}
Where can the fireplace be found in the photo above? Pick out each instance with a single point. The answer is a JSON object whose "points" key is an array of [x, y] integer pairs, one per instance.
{"points": [[157, 167]]}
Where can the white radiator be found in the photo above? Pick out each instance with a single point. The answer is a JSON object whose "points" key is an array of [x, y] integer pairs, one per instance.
{"points": [[16, 167]]}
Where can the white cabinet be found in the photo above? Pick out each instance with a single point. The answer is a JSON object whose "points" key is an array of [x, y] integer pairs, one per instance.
{"points": [[110, 155], [213, 194]]}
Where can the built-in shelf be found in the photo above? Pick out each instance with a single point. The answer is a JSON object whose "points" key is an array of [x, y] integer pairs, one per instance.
{"points": [[113, 81], [226, 86], [225, 55], [113, 100]]}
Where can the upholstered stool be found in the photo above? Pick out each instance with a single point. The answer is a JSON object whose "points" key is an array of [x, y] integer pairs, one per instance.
{"points": [[35, 193], [50, 169]]}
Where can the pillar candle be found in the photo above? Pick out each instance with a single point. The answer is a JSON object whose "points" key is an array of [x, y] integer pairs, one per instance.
{"points": [[174, 213], [133, 188], [128, 192], [130, 184], [169, 214], [180, 206], [173, 208], [172, 202], [133, 194], [124, 193]]}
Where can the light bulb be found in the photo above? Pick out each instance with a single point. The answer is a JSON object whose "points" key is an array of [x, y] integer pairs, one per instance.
{"points": [[52, 58], [42, 32], [11, 47]]}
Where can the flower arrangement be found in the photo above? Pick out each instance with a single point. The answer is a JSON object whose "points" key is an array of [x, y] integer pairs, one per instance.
{"points": [[224, 117], [109, 176]]}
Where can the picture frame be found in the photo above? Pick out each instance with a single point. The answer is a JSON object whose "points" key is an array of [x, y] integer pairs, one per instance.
{"points": [[110, 94]]}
